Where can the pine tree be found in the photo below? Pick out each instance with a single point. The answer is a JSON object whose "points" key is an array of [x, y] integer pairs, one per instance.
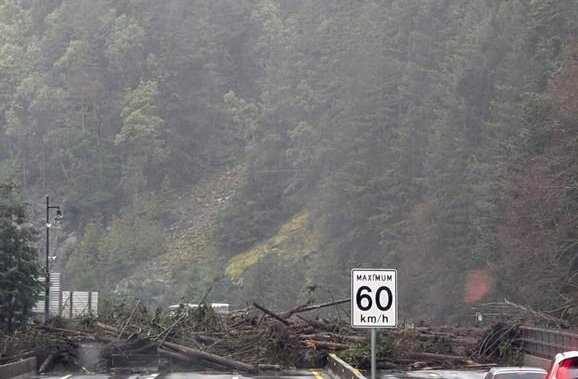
{"points": [[19, 269]]}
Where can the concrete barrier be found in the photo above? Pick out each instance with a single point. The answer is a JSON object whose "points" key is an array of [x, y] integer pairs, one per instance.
{"points": [[23, 369], [135, 363], [540, 345], [338, 369], [534, 361], [546, 343]]}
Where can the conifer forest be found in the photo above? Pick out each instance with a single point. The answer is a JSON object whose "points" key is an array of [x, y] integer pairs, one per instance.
{"points": [[258, 150]]}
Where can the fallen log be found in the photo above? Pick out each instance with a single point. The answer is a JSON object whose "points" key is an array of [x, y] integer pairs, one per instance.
{"points": [[268, 367], [128, 320], [290, 312], [65, 331], [433, 356], [184, 359], [302, 309], [144, 348], [174, 355], [47, 362], [272, 314], [130, 345], [230, 363], [331, 337], [333, 346], [198, 338], [107, 328], [188, 351], [77, 363], [316, 324]]}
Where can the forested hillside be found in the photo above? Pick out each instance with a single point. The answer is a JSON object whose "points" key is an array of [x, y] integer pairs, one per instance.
{"points": [[263, 148]]}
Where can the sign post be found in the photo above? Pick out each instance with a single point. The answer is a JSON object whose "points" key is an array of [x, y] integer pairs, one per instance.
{"points": [[372, 353], [373, 302]]}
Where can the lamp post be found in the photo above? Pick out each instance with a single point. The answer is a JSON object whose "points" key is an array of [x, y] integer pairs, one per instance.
{"points": [[58, 217]]}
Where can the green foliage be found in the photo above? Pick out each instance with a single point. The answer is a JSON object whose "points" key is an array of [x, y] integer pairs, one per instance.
{"points": [[198, 319], [19, 269], [117, 308], [267, 283], [85, 261], [147, 240], [103, 258], [360, 355], [395, 124], [140, 136], [248, 221]]}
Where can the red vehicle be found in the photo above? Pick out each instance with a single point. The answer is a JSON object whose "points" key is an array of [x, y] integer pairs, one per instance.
{"points": [[564, 366]]}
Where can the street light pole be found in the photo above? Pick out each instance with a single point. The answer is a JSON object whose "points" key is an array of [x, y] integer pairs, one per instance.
{"points": [[47, 282]]}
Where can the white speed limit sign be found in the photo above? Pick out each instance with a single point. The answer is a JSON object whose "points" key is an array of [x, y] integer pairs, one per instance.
{"points": [[373, 298]]}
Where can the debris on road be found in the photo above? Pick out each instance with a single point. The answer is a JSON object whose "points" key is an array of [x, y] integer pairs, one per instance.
{"points": [[257, 339]]}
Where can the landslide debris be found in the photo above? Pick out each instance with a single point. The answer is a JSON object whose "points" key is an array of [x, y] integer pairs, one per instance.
{"points": [[252, 340]]}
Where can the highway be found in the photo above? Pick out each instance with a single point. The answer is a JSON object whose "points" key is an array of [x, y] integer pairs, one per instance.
{"points": [[301, 374], [443, 374]]}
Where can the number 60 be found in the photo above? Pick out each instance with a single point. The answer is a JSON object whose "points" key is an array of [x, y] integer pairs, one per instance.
{"points": [[360, 297]]}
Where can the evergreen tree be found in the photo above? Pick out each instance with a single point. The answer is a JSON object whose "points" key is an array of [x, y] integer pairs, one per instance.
{"points": [[19, 269]]}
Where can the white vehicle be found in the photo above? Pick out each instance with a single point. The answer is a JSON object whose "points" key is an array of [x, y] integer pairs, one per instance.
{"points": [[222, 308], [564, 366], [516, 373]]}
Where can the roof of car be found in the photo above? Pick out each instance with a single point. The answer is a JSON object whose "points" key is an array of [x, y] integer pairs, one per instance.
{"points": [[495, 370], [569, 354]]}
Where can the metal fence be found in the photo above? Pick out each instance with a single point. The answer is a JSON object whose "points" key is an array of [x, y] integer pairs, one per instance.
{"points": [[546, 343], [54, 296], [66, 304], [79, 304]]}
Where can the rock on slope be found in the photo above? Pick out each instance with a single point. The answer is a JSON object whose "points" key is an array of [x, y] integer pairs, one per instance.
{"points": [[166, 277]]}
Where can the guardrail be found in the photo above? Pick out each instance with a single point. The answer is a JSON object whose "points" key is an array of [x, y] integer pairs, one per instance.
{"points": [[337, 368], [21, 369], [545, 343]]}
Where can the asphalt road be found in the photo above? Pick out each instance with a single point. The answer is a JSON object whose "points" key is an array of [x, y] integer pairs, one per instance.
{"points": [[302, 374], [446, 374]]}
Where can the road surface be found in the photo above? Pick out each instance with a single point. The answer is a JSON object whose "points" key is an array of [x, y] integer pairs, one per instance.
{"points": [[434, 374], [301, 374]]}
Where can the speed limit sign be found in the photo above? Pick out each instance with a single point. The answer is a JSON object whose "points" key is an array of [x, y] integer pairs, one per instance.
{"points": [[373, 298]]}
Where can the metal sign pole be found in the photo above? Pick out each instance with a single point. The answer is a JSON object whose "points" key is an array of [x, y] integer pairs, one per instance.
{"points": [[372, 353], [374, 302]]}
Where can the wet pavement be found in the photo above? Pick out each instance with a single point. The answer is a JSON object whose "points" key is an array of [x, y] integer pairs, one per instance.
{"points": [[300, 374]]}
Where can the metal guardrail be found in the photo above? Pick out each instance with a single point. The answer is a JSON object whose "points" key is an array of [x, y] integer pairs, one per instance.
{"points": [[338, 369], [21, 369], [546, 343]]}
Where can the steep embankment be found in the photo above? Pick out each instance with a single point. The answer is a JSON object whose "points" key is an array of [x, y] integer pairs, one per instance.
{"points": [[192, 265], [296, 239], [170, 276]]}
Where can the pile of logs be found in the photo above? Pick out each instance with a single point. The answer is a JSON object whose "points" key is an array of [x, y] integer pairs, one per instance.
{"points": [[258, 339]]}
